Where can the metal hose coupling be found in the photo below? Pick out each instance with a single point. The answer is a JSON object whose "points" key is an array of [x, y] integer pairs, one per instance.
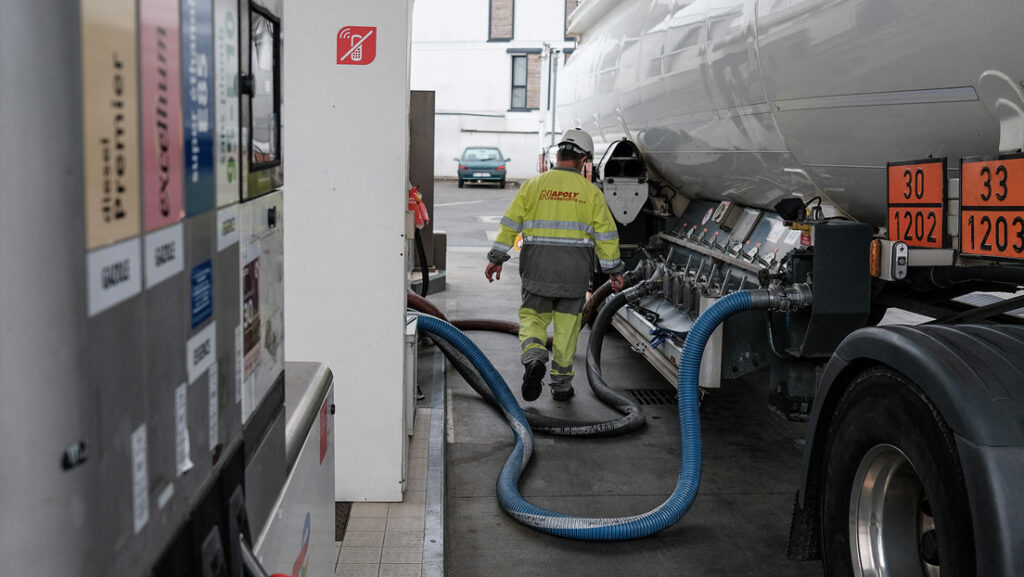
{"points": [[643, 288], [782, 298], [634, 276]]}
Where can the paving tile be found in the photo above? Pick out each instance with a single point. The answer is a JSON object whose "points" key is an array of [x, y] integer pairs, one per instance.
{"points": [[366, 524], [364, 509], [403, 538], [419, 448], [402, 554], [359, 555], [315, 568], [405, 510], [417, 468], [412, 485], [421, 422], [405, 524], [400, 570], [357, 570], [364, 538], [337, 551], [418, 497]]}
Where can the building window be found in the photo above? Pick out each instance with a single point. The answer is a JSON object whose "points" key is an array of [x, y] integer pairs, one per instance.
{"points": [[503, 14], [525, 82]]}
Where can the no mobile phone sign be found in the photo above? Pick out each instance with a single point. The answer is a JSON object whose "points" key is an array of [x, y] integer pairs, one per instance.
{"points": [[357, 45]]}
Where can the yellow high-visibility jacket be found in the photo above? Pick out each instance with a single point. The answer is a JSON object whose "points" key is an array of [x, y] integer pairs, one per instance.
{"points": [[564, 220]]}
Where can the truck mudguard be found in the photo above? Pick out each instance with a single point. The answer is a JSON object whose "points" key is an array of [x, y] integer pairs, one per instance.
{"points": [[974, 375]]}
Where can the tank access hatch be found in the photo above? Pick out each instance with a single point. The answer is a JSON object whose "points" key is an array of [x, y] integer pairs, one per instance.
{"points": [[624, 180]]}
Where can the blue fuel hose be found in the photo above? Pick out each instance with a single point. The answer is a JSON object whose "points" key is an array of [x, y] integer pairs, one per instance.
{"points": [[603, 528]]}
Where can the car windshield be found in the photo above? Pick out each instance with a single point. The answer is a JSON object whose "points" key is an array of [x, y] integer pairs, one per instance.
{"points": [[481, 154]]}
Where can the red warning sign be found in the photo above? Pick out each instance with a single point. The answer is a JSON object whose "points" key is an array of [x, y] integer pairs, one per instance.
{"points": [[357, 45]]}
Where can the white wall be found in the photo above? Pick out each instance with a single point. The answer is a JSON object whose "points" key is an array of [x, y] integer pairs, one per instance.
{"points": [[472, 78], [346, 152], [452, 133]]}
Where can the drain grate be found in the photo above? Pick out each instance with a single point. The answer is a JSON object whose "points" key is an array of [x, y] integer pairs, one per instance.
{"points": [[653, 396]]}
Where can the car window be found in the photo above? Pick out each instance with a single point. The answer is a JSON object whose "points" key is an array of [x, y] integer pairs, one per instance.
{"points": [[481, 154]]}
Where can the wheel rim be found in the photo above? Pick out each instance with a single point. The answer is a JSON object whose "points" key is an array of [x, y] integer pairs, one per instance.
{"points": [[892, 531]]}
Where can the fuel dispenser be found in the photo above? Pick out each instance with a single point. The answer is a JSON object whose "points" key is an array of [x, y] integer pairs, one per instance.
{"points": [[143, 409]]}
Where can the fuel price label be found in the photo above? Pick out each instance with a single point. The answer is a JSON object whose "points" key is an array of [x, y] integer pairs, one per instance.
{"points": [[992, 207], [917, 202]]}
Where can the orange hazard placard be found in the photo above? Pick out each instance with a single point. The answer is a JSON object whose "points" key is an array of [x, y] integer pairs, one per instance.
{"points": [[917, 203], [992, 206]]}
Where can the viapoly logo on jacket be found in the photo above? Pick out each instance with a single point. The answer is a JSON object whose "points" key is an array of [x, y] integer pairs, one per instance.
{"points": [[560, 195]]}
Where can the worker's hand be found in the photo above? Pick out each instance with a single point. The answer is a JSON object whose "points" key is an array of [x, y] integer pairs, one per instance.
{"points": [[618, 282], [492, 270]]}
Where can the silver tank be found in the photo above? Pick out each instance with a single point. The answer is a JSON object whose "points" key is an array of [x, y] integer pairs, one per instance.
{"points": [[755, 100]]}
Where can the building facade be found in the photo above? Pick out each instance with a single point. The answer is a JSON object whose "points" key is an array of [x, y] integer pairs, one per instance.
{"points": [[493, 66]]}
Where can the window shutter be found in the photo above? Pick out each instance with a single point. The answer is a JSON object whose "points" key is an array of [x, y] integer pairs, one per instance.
{"points": [[533, 81], [502, 18]]}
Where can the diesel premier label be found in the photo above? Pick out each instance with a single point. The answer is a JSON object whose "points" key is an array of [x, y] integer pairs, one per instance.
{"points": [[110, 121]]}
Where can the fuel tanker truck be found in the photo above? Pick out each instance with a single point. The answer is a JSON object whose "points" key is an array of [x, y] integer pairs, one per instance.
{"points": [[842, 159]]}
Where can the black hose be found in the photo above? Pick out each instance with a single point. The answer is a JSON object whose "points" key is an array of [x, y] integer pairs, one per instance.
{"points": [[538, 422], [595, 301], [420, 304], [424, 271], [633, 419]]}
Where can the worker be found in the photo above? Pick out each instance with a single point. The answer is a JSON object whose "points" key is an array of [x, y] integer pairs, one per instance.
{"points": [[564, 220]]}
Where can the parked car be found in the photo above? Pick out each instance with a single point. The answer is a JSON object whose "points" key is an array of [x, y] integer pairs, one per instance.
{"points": [[482, 164]]}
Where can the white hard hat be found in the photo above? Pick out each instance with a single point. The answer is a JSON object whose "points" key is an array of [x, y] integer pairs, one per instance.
{"points": [[579, 139]]}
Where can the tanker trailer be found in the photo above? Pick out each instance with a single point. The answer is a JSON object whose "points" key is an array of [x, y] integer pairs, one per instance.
{"points": [[868, 151]]}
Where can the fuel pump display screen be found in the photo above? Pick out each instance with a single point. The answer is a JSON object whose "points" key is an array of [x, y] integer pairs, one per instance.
{"points": [[265, 112]]}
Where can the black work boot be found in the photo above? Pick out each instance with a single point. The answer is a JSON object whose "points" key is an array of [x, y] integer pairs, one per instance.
{"points": [[562, 394], [532, 380]]}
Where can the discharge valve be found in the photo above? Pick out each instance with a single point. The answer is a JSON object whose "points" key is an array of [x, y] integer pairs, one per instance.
{"points": [[782, 298]]}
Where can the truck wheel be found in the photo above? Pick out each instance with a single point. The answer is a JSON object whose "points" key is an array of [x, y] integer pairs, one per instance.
{"points": [[894, 498]]}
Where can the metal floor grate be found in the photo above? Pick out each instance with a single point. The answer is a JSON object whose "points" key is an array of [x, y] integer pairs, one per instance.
{"points": [[653, 396]]}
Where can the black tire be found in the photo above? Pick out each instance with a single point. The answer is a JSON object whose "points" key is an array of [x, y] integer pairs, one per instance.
{"points": [[462, 183], [890, 451], [502, 183]]}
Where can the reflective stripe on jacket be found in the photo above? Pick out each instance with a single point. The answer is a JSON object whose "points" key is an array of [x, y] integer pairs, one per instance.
{"points": [[564, 220]]}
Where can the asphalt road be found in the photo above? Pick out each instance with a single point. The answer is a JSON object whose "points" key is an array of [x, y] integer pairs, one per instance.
{"points": [[739, 525], [470, 214]]}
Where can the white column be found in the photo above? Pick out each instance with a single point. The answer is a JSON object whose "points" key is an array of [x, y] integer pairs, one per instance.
{"points": [[346, 155]]}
